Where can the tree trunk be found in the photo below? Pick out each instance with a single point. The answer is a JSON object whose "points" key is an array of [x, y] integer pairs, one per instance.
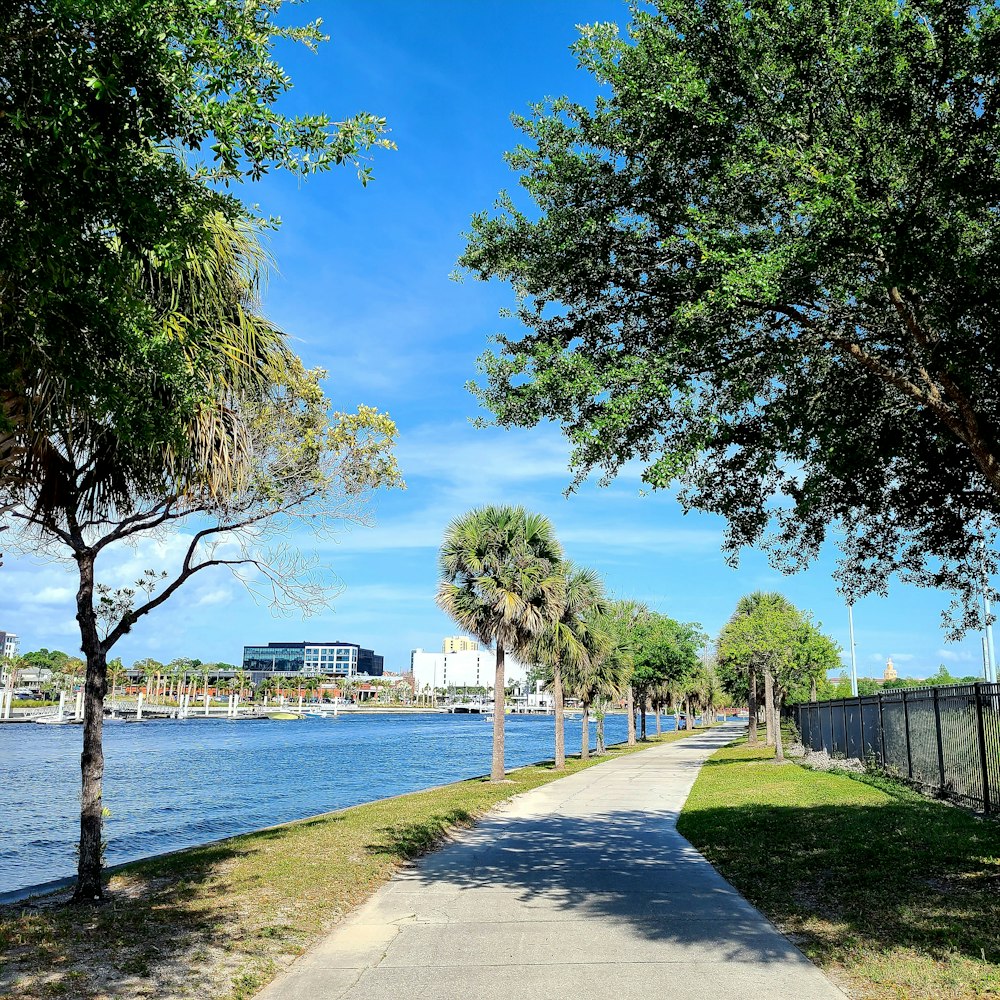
{"points": [[689, 718], [585, 739], [88, 882], [630, 708], [497, 771], [557, 701], [600, 730], [769, 705], [813, 694], [779, 748], [659, 727], [752, 706]]}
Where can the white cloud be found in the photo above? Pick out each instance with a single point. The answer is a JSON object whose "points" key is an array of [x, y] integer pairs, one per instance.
{"points": [[645, 538], [955, 655], [220, 595], [52, 595]]}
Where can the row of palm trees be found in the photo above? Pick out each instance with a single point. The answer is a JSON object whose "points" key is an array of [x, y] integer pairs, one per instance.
{"points": [[504, 579]]}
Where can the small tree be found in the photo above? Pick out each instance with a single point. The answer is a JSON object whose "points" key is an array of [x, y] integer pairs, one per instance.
{"points": [[765, 634], [307, 473], [623, 622]]}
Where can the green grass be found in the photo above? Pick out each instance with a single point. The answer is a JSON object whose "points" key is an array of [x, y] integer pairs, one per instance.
{"points": [[218, 921], [896, 895]]}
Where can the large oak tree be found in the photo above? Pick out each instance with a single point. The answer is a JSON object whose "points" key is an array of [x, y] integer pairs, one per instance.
{"points": [[763, 261]]}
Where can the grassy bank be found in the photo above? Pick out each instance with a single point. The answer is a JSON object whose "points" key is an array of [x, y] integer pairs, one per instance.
{"points": [[219, 921], [894, 894]]}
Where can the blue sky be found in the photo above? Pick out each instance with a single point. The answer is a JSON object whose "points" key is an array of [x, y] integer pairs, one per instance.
{"points": [[363, 288]]}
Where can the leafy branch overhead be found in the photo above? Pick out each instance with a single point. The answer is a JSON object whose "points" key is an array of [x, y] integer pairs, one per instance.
{"points": [[762, 263], [125, 129]]}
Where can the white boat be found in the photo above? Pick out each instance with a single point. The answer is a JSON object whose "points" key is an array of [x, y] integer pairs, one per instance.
{"points": [[56, 720]]}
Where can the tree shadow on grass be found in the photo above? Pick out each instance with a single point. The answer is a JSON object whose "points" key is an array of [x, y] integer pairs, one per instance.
{"points": [[164, 924], [406, 841], [906, 873]]}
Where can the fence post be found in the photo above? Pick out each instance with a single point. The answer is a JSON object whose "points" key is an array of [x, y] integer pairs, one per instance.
{"points": [[940, 747], [906, 729], [847, 739], [861, 724], [981, 732], [881, 727]]}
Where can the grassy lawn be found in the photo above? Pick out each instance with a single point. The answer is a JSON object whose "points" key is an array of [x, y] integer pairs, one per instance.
{"points": [[219, 921], [894, 894]]}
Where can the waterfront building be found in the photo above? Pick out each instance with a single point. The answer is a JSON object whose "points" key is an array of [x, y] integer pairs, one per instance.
{"points": [[8, 645], [459, 644], [464, 669], [8, 651], [312, 659]]}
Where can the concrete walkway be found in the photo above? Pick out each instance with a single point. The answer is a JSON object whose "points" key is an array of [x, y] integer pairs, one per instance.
{"points": [[580, 888]]}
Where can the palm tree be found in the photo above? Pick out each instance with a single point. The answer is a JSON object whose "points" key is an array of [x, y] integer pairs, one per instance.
{"points": [[623, 622], [570, 642], [116, 673], [241, 680], [501, 581]]}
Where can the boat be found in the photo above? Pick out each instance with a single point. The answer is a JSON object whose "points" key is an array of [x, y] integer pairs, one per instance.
{"points": [[57, 720], [283, 716]]}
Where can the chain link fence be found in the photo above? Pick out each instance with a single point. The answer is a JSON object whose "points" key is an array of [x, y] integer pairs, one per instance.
{"points": [[945, 739]]}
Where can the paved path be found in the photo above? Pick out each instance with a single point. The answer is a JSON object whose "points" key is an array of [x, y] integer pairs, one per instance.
{"points": [[580, 888]]}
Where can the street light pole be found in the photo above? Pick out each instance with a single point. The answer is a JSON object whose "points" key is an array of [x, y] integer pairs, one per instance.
{"points": [[854, 659], [988, 651]]}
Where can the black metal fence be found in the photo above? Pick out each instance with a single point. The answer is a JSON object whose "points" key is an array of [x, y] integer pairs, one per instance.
{"points": [[945, 739]]}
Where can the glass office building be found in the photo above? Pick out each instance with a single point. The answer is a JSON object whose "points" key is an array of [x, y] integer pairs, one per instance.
{"points": [[312, 659]]}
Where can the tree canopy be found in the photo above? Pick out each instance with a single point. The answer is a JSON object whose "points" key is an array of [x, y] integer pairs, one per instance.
{"points": [[122, 124], [762, 262]]}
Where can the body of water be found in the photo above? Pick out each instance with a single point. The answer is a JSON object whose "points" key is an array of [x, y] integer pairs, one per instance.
{"points": [[172, 784]]}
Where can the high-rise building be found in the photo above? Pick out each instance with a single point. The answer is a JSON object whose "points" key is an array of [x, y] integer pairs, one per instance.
{"points": [[312, 659], [459, 644], [8, 644], [468, 668]]}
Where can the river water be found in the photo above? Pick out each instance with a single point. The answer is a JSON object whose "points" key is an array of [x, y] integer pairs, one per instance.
{"points": [[171, 784]]}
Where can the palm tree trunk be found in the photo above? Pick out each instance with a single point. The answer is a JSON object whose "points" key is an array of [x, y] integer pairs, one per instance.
{"points": [[585, 739], [497, 771], [600, 731], [769, 705], [659, 727], [557, 699], [752, 706], [88, 882], [630, 708], [779, 749], [642, 718]]}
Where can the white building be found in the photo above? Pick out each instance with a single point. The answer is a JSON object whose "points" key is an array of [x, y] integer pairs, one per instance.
{"points": [[8, 644], [466, 668]]}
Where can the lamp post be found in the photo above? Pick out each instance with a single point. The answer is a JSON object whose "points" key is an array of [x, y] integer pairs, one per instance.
{"points": [[854, 659], [989, 653]]}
